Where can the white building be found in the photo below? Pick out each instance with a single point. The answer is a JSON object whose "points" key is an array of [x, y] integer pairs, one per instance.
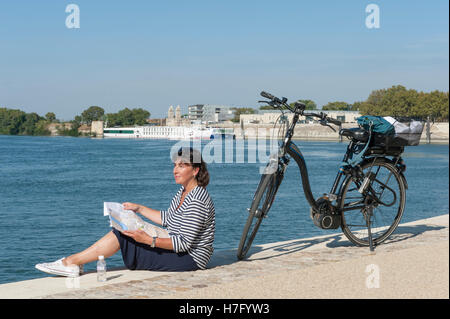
{"points": [[210, 113], [271, 116]]}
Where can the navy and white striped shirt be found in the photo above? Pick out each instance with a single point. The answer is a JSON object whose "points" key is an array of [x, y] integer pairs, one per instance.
{"points": [[191, 227]]}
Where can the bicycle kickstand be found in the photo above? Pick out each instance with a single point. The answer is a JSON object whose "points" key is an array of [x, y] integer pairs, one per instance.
{"points": [[367, 215]]}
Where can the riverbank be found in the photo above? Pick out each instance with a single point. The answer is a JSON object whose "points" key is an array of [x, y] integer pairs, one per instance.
{"points": [[439, 132], [413, 263]]}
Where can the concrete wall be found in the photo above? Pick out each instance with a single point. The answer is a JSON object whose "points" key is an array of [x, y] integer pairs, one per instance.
{"points": [[439, 131], [265, 117], [302, 131]]}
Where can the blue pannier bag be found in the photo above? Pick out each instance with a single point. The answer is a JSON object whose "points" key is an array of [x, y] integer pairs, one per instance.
{"points": [[376, 125], [379, 124]]}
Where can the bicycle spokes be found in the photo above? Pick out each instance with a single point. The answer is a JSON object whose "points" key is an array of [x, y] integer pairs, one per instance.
{"points": [[379, 195], [375, 212]]}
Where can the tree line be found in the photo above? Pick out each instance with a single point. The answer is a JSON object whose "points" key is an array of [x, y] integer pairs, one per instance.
{"points": [[394, 101], [399, 101], [17, 122]]}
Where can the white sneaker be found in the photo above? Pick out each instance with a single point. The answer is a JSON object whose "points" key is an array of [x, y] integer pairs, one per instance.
{"points": [[58, 268]]}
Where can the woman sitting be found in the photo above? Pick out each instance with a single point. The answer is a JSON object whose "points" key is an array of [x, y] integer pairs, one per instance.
{"points": [[187, 240]]}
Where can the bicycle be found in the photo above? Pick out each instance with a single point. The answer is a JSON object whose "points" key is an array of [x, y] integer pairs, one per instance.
{"points": [[367, 198]]}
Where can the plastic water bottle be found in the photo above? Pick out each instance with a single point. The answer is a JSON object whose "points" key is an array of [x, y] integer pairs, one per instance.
{"points": [[101, 269]]}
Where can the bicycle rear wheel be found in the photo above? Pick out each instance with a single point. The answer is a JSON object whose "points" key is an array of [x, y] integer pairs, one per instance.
{"points": [[382, 204], [262, 201]]}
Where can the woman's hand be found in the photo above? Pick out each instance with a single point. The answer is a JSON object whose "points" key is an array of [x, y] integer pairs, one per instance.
{"points": [[131, 206], [139, 236]]}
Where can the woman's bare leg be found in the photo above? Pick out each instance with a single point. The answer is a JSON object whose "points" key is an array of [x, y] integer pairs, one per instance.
{"points": [[107, 246]]}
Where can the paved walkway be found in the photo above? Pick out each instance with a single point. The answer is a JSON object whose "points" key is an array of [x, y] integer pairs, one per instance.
{"points": [[413, 263]]}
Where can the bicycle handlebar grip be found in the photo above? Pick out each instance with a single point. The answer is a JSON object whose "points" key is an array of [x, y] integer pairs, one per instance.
{"points": [[267, 95]]}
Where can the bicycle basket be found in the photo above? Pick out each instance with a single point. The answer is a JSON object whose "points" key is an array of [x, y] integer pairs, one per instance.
{"points": [[407, 132]]}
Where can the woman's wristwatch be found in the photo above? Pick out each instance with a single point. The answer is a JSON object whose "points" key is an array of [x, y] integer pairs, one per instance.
{"points": [[153, 242]]}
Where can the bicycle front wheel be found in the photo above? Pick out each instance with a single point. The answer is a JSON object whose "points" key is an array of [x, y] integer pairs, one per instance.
{"points": [[381, 204], [262, 201]]}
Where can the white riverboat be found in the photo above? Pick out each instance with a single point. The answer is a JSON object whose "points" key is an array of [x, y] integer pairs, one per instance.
{"points": [[169, 132]]}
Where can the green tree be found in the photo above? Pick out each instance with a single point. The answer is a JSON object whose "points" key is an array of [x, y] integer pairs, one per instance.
{"points": [[41, 128], [112, 119], [241, 110], [336, 106], [399, 101], [11, 121], [310, 105], [140, 116], [29, 125], [127, 117], [355, 106], [51, 117], [93, 113], [15, 122], [433, 104], [78, 120]]}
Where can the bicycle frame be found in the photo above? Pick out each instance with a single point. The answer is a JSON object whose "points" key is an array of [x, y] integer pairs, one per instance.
{"points": [[289, 147], [356, 168]]}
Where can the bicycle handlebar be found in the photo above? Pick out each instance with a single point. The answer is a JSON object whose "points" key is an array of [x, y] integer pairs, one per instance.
{"points": [[323, 117], [299, 108], [333, 121]]}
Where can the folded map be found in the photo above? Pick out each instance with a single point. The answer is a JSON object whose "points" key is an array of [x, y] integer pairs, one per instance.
{"points": [[127, 220]]}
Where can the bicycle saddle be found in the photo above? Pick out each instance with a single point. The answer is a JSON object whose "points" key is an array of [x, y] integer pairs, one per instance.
{"points": [[356, 133]]}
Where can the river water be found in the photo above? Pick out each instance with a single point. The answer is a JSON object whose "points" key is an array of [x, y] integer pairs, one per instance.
{"points": [[52, 191]]}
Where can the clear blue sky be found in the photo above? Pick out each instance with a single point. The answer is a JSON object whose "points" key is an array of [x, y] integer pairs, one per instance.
{"points": [[153, 54]]}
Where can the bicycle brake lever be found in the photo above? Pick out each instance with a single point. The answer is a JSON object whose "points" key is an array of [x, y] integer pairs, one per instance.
{"points": [[325, 123], [331, 127]]}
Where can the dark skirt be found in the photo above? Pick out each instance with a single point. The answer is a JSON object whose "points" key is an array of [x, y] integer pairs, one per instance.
{"points": [[138, 256]]}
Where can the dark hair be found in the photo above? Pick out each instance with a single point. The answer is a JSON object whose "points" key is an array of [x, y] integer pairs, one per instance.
{"points": [[194, 158]]}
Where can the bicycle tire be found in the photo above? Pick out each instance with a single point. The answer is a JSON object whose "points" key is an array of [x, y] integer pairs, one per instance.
{"points": [[384, 219], [265, 190]]}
